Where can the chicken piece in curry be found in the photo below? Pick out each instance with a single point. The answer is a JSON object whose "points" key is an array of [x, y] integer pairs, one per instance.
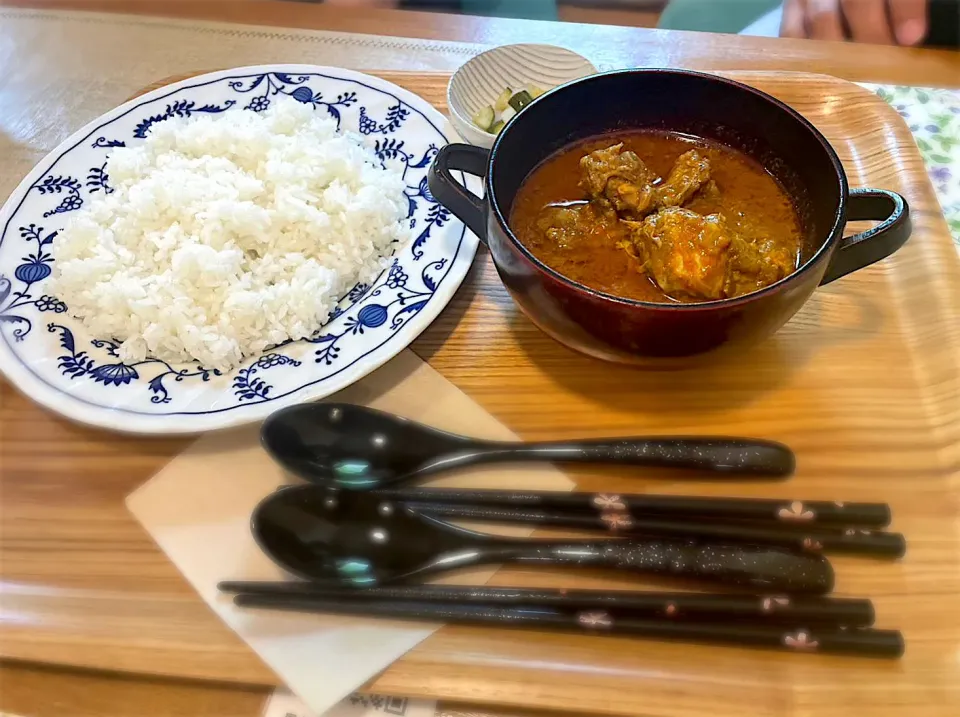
{"points": [[658, 217], [618, 179], [689, 174], [685, 253]]}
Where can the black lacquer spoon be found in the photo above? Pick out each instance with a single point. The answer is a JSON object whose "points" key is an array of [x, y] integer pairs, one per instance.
{"points": [[359, 448], [360, 540]]}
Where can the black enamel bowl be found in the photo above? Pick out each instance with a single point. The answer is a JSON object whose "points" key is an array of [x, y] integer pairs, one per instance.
{"points": [[729, 112]]}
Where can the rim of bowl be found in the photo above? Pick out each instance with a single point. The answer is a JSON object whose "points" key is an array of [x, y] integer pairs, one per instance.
{"points": [[492, 137], [679, 306]]}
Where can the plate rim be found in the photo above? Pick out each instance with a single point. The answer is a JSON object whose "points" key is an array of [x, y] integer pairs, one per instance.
{"points": [[118, 419]]}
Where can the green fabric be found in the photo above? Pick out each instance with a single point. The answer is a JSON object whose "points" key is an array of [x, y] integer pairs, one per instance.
{"points": [[714, 15], [528, 9]]}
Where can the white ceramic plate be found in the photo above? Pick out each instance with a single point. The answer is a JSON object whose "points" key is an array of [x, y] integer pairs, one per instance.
{"points": [[55, 361]]}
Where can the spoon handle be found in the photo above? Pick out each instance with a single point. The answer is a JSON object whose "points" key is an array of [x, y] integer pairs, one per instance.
{"points": [[742, 456], [758, 568]]}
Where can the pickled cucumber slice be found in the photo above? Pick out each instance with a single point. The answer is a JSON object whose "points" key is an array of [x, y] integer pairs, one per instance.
{"points": [[520, 100], [503, 100], [484, 118]]}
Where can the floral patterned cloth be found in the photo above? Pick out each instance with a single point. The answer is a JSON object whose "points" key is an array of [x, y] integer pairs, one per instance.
{"points": [[934, 118]]}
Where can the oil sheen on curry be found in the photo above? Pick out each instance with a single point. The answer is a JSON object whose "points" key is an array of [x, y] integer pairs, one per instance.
{"points": [[658, 217]]}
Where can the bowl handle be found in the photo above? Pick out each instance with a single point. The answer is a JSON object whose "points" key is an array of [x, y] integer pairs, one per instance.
{"points": [[865, 248], [467, 206]]}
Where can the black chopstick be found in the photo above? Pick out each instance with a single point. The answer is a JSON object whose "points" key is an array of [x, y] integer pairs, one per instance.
{"points": [[809, 611], [784, 512], [865, 642], [855, 542]]}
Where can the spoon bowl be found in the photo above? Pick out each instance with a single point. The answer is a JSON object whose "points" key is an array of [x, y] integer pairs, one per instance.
{"points": [[357, 448], [316, 534], [353, 447]]}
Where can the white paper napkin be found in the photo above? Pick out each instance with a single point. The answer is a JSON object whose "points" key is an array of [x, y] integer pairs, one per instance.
{"points": [[198, 511]]}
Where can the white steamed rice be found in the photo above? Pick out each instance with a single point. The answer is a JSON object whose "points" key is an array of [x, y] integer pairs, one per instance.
{"points": [[227, 234]]}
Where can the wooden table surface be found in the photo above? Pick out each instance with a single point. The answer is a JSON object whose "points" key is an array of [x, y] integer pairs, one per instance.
{"points": [[44, 458], [36, 691]]}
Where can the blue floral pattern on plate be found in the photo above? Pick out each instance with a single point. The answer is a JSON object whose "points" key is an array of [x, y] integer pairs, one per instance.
{"points": [[52, 358]]}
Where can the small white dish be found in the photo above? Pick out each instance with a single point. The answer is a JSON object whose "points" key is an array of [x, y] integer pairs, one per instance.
{"points": [[481, 80]]}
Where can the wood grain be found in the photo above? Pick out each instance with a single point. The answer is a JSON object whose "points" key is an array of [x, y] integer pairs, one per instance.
{"points": [[864, 384], [28, 691], [603, 44]]}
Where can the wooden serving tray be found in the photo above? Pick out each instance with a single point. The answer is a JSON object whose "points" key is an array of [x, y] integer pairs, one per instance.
{"points": [[864, 383]]}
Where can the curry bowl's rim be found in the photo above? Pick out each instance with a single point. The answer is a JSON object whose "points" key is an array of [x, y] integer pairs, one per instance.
{"points": [[831, 238]]}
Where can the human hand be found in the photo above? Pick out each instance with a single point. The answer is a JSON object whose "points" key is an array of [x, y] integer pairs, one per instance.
{"points": [[884, 22]]}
